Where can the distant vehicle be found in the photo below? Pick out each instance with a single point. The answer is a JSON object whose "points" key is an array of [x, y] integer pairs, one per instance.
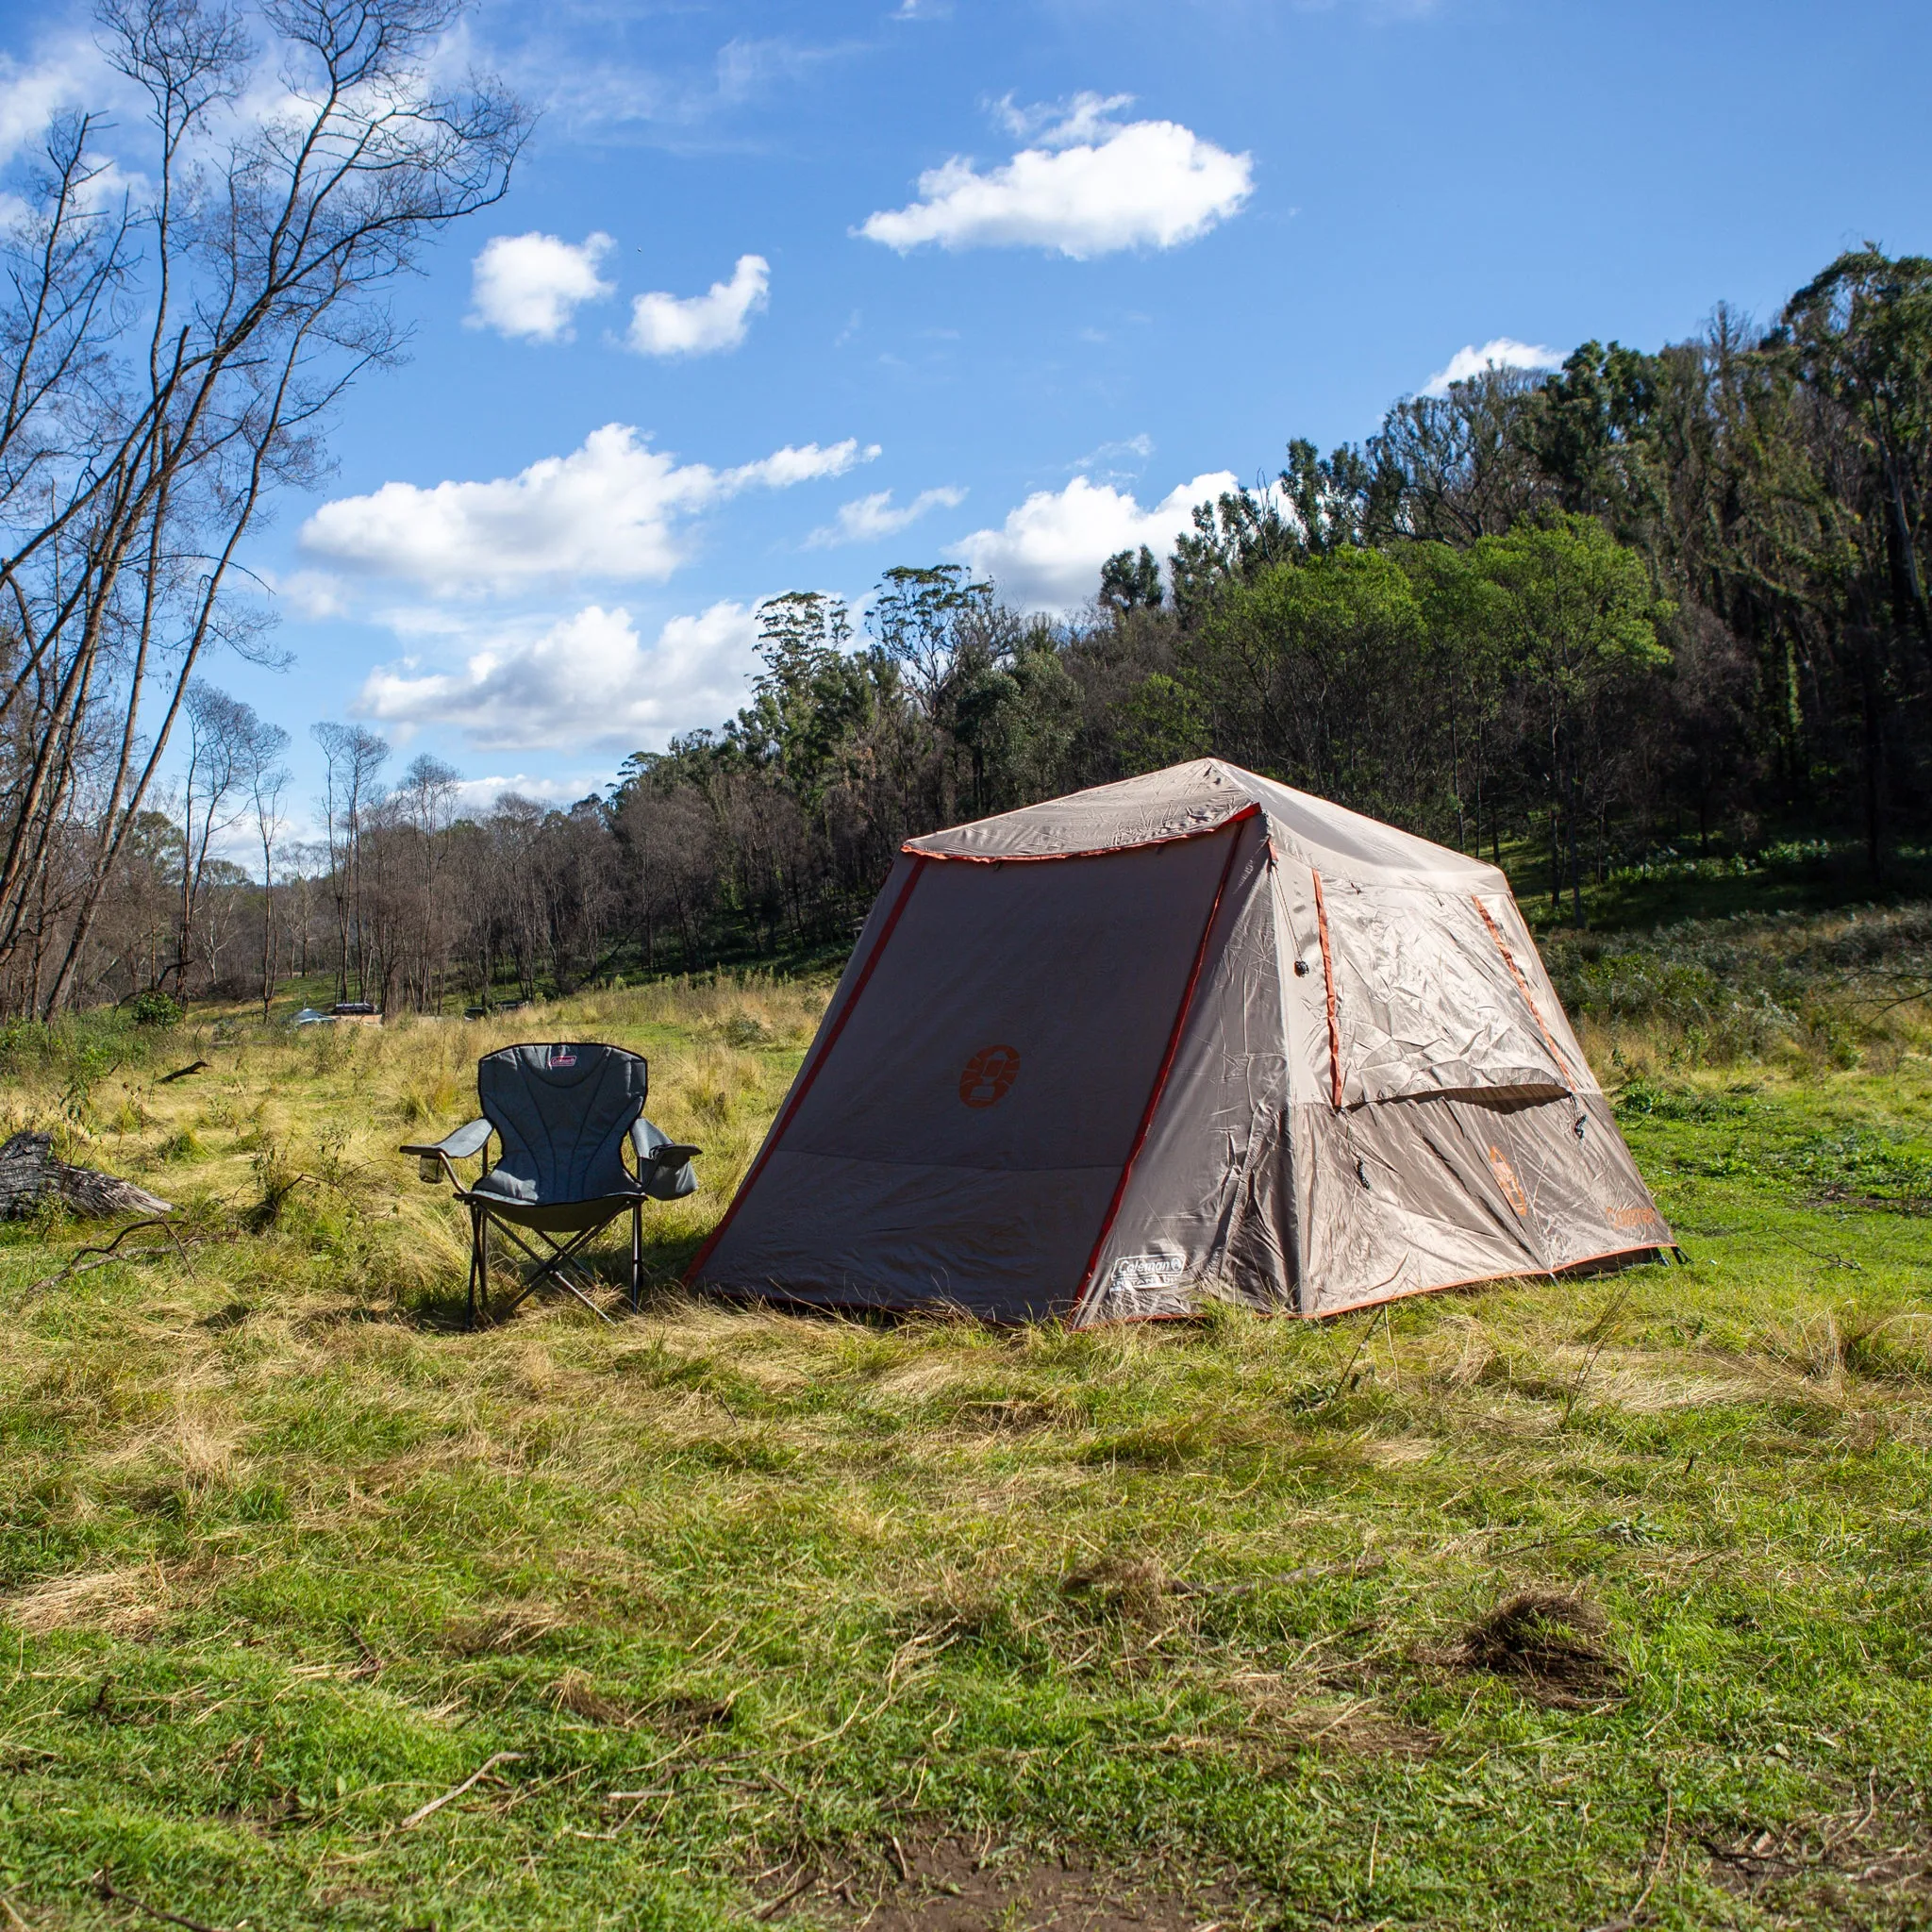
{"points": [[498, 1007], [313, 1016]]}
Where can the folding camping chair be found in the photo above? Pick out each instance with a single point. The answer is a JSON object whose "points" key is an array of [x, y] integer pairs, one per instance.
{"points": [[562, 1114]]}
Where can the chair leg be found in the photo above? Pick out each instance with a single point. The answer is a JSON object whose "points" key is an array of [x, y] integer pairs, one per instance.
{"points": [[483, 1262], [476, 1242], [637, 1257]]}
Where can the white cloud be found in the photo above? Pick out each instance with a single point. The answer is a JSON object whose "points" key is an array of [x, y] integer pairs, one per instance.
{"points": [[1061, 123], [613, 508], [1503, 352], [479, 794], [664, 324], [311, 594], [1048, 553], [1085, 187], [874, 516], [33, 91], [1110, 458], [586, 681], [532, 285]]}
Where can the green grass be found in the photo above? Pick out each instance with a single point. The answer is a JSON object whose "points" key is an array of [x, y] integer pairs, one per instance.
{"points": [[284, 1555]]}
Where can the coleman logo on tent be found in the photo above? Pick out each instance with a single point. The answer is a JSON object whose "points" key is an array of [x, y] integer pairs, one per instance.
{"points": [[563, 1056], [1634, 1219], [1505, 1179], [989, 1076]]}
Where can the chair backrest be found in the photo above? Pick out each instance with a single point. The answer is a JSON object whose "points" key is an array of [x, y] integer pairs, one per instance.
{"points": [[562, 1110]]}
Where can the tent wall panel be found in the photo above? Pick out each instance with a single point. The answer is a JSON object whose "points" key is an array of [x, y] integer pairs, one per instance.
{"points": [[1228, 1078], [1429, 1193], [976, 976]]}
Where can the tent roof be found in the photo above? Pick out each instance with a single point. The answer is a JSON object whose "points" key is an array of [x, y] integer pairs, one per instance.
{"points": [[1185, 802]]}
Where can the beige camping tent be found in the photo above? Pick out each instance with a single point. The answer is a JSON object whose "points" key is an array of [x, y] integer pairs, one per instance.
{"points": [[1190, 1035]]}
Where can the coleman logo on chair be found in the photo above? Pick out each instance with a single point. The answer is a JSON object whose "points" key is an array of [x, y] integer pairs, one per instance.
{"points": [[563, 1056]]}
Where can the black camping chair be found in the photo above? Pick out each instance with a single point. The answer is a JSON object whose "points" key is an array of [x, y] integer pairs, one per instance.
{"points": [[562, 1114]]}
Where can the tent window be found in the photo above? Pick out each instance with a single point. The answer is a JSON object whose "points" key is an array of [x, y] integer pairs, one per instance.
{"points": [[1426, 1001]]}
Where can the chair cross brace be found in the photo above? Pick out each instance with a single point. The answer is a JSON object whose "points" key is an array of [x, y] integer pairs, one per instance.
{"points": [[559, 1266]]}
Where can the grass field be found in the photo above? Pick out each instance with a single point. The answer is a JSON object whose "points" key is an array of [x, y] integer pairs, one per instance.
{"points": [[1577, 1605]]}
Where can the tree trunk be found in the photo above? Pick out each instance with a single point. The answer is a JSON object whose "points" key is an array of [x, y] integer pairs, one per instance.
{"points": [[29, 1175]]}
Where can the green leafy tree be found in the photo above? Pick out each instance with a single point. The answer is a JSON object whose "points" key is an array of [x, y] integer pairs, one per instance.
{"points": [[1130, 580], [1315, 670], [1573, 619]]}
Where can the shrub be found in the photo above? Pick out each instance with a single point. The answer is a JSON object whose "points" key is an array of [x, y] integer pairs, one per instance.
{"points": [[156, 1009]]}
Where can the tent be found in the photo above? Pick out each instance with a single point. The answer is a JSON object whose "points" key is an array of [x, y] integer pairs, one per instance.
{"points": [[1192, 1034]]}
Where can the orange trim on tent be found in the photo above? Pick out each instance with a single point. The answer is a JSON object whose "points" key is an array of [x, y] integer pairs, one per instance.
{"points": [[1403, 1294], [1328, 979], [823, 1054], [912, 849], [1523, 986], [1174, 1045]]}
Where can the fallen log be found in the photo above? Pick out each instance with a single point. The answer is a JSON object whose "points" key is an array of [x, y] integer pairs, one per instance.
{"points": [[29, 1176]]}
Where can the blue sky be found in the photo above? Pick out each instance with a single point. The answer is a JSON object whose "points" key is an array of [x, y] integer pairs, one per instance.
{"points": [[1005, 284]]}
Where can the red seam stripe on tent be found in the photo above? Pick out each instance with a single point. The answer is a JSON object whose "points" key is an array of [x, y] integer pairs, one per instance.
{"points": [[1328, 980], [1173, 1045], [912, 849], [1523, 986], [825, 1052]]}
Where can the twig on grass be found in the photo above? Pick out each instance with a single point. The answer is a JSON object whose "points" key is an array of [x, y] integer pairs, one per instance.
{"points": [[13, 1918], [104, 1252], [785, 1897], [1341, 1380], [482, 1771], [1634, 1917], [112, 1892], [1602, 1326]]}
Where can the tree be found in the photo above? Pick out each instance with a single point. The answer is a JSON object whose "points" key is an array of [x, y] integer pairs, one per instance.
{"points": [[1130, 580], [1859, 337], [1314, 671], [916, 619], [1573, 618], [229, 749], [352, 757], [267, 782], [172, 356]]}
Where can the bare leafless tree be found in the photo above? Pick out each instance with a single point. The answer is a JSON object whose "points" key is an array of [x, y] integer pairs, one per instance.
{"points": [[355, 756], [268, 781], [168, 359]]}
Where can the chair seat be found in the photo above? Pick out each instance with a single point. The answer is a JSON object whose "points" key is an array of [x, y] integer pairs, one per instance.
{"points": [[554, 1217]]}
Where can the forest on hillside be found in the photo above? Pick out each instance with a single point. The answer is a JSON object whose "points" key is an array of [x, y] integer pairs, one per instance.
{"points": [[1650, 602]]}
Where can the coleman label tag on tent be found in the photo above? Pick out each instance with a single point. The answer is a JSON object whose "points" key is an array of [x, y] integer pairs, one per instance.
{"points": [[1148, 1285]]}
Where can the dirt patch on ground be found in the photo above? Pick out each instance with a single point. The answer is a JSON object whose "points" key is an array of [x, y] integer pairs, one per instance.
{"points": [[1552, 1646], [967, 1885]]}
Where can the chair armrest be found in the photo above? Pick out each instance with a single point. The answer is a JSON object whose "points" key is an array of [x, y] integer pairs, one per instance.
{"points": [[471, 1138], [663, 1164]]}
